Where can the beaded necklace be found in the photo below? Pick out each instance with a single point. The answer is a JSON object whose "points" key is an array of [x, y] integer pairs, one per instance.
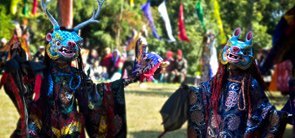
{"points": [[71, 85]]}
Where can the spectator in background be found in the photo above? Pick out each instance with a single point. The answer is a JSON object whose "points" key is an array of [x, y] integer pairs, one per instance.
{"points": [[106, 60], [166, 72], [116, 65], [92, 65], [92, 57], [180, 68], [39, 55], [128, 65]]}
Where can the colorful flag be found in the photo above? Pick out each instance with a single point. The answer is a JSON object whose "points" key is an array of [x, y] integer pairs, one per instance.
{"points": [[25, 9], [164, 14], [200, 13], [13, 6], [131, 3], [146, 8], [222, 36], [35, 7], [181, 26], [213, 62]]}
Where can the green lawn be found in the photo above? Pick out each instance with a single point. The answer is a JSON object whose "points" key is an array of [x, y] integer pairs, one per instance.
{"points": [[143, 105]]}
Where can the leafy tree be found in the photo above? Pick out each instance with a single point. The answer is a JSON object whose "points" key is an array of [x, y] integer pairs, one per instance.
{"points": [[6, 27]]}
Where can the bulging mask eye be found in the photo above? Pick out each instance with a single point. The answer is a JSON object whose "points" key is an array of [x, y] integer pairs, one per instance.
{"points": [[57, 43]]}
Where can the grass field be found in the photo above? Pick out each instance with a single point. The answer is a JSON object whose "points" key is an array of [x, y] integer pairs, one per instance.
{"points": [[143, 103]]}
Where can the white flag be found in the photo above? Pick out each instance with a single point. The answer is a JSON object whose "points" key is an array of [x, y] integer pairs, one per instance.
{"points": [[213, 58], [164, 14]]}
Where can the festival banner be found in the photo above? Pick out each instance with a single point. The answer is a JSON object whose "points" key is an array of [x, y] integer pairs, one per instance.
{"points": [[146, 8], [200, 14], [222, 36], [13, 6], [35, 7], [25, 8], [164, 14], [181, 26], [131, 3]]}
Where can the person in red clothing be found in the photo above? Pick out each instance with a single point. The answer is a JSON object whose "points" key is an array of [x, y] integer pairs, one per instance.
{"points": [[180, 68], [106, 61], [166, 73], [116, 65]]}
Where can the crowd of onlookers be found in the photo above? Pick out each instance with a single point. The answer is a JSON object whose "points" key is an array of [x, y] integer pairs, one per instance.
{"points": [[176, 70], [109, 66], [98, 65], [113, 65]]}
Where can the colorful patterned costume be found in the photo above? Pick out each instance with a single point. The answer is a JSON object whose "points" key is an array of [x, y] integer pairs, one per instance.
{"points": [[233, 103], [65, 100]]}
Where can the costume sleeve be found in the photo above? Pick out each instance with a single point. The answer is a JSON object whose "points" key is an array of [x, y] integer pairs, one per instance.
{"points": [[264, 119], [21, 80], [103, 107], [197, 115]]}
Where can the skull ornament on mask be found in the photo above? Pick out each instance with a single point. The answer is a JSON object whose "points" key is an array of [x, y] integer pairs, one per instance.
{"points": [[236, 52]]}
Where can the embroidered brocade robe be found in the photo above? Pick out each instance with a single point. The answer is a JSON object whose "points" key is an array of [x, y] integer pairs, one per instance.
{"points": [[231, 121]]}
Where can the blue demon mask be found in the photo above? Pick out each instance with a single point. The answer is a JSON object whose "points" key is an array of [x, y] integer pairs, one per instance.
{"points": [[65, 44], [236, 52]]}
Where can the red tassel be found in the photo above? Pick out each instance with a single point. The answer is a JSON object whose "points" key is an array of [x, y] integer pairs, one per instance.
{"points": [[20, 104], [3, 79], [37, 88]]}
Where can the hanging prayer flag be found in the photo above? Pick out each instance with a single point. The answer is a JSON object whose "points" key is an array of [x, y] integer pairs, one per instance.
{"points": [[164, 14], [13, 6], [25, 9], [148, 14], [219, 22], [35, 7], [131, 3], [181, 26], [213, 62], [200, 13]]}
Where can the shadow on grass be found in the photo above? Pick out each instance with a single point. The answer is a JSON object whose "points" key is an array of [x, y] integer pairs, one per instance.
{"points": [[181, 133], [149, 92]]}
